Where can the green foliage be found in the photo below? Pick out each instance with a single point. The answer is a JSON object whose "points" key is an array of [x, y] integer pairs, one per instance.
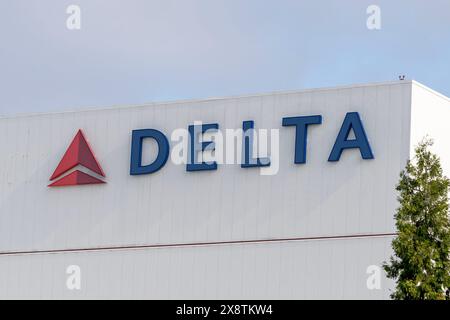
{"points": [[421, 265]]}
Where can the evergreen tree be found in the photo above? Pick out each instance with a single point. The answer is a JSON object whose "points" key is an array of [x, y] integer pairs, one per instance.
{"points": [[421, 264]]}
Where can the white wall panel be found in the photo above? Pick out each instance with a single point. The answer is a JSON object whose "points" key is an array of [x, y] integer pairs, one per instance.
{"points": [[172, 205], [430, 118], [285, 270], [319, 198]]}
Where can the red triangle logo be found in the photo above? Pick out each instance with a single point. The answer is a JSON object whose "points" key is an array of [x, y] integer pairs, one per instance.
{"points": [[78, 153]]}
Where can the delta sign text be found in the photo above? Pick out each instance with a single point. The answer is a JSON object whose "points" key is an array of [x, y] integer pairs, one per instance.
{"points": [[197, 146], [80, 153]]}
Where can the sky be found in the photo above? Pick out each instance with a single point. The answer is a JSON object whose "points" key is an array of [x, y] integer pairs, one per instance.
{"points": [[139, 51]]}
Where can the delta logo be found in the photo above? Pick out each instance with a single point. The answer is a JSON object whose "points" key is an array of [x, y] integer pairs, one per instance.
{"points": [[78, 155], [80, 167]]}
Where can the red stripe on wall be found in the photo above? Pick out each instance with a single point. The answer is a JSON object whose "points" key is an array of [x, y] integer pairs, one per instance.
{"points": [[197, 244]]}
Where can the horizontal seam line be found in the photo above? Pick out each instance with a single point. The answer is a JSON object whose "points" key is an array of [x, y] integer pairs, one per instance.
{"points": [[195, 244]]}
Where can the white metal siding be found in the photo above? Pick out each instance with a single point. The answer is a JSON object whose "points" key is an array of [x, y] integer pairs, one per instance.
{"points": [[319, 198], [285, 270], [430, 117]]}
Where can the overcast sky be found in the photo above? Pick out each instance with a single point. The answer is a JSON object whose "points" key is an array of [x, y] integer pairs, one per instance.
{"points": [[137, 51]]}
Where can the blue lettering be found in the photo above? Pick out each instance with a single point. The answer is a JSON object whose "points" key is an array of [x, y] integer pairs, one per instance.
{"points": [[196, 147], [248, 136], [138, 136], [351, 121], [301, 134]]}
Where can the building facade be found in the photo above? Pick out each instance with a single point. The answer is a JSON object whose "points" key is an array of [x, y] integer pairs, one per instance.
{"points": [[120, 222]]}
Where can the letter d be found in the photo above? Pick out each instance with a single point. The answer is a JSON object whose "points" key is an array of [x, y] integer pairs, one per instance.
{"points": [[138, 136]]}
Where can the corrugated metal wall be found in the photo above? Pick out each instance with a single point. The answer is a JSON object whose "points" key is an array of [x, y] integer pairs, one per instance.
{"points": [[316, 199]]}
